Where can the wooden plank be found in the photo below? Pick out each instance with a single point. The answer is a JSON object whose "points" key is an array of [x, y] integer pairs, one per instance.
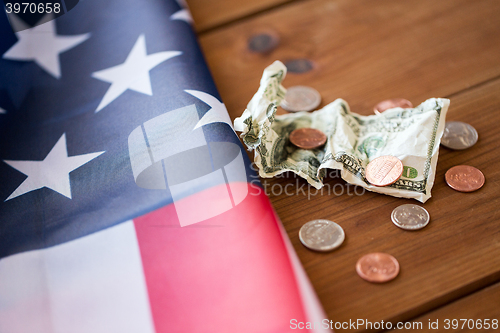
{"points": [[364, 52], [208, 15], [457, 253], [482, 307]]}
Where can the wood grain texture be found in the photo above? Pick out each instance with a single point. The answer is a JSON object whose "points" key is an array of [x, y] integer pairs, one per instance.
{"points": [[209, 14], [457, 253], [363, 51], [483, 304], [366, 51]]}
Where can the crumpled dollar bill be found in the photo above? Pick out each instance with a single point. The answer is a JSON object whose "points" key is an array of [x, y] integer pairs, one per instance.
{"points": [[412, 135]]}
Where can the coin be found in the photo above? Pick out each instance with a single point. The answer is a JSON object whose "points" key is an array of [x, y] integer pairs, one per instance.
{"points": [[301, 98], [377, 267], [392, 103], [458, 135], [464, 178], [307, 138], [299, 66], [410, 217], [263, 42], [321, 235], [384, 170]]}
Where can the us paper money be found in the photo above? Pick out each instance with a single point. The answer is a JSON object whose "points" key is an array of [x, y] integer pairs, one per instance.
{"points": [[412, 135]]}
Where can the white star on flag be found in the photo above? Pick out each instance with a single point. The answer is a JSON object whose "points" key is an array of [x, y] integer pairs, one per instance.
{"points": [[42, 45], [133, 73], [52, 172], [183, 14], [217, 113], [2, 111]]}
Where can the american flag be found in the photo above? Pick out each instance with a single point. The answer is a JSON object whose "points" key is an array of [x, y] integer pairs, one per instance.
{"points": [[127, 202]]}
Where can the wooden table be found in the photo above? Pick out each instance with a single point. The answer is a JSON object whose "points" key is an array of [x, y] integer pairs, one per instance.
{"points": [[364, 52]]}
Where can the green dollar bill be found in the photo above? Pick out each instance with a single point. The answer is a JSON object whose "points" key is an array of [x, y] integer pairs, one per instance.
{"points": [[412, 135]]}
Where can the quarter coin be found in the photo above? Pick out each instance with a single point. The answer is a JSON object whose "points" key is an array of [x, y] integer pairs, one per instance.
{"points": [[392, 103], [384, 170], [377, 267], [301, 98], [321, 235], [307, 138], [410, 217], [458, 135], [464, 178]]}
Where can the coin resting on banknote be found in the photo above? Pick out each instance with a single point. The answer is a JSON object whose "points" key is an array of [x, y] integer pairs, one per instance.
{"points": [[307, 138], [384, 170], [392, 103], [411, 134], [301, 98]]}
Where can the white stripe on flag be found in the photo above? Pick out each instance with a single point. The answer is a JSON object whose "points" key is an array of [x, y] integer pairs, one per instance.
{"points": [[90, 285], [312, 306]]}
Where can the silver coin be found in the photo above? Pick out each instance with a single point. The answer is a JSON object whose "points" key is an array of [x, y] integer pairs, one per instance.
{"points": [[301, 98], [410, 217], [299, 66], [458, 135], [263, 43], [321, 235]]}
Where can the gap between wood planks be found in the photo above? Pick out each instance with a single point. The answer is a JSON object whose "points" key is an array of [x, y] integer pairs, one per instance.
{"points": [[448, 299], [474, 86], [457, 294], [466, 290]]}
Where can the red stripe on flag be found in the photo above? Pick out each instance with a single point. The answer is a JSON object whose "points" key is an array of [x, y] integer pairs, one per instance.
{"points": [[230, 273]]}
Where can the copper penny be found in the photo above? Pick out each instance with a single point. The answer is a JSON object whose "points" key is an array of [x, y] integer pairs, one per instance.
{"points": [[384, 170], [308, 138], [392, 103], [464, 178], [377, 267]]}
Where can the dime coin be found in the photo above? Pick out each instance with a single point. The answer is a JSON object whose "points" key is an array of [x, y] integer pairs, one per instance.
{"points": [[301, 98], [377, 267], [464, 178], [458, 135], [321, 235], [384, 170], [392, 103], [410, 217], [307, 138]]}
